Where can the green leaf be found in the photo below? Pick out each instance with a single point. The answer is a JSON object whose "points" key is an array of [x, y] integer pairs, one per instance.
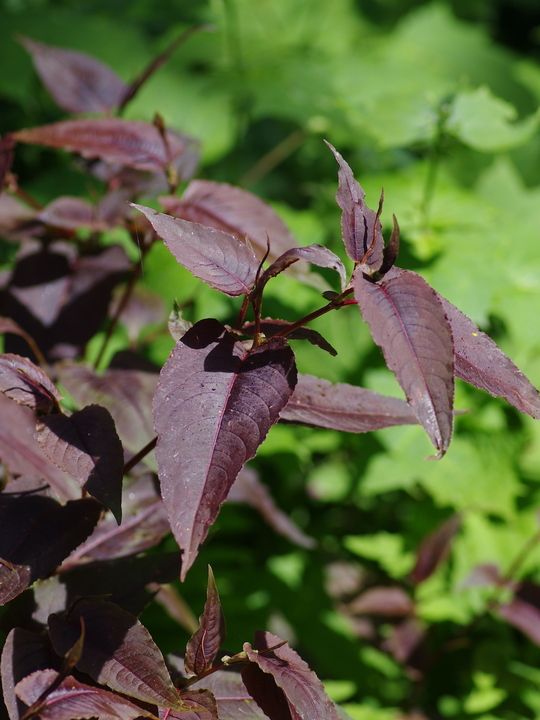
{"points": [[386, 548]]}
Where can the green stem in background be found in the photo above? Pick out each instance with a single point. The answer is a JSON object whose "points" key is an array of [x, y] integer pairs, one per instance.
{"points": [[434, 161], [241, 97], [273, 158]]}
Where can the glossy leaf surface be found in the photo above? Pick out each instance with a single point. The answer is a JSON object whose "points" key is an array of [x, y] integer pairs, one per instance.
{"points": [[408, 322], [204, 645], [214, 404]]}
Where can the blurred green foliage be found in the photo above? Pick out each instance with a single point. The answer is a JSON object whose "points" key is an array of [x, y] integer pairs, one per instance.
{"points": [[438, 103]]}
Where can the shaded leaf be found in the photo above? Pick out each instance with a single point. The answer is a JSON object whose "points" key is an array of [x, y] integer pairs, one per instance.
{"points": [[7, 145], [85, 445], [203, 705], [37, 534], [523, 616], [73, 699], [303, 690], [14, 215], [271, 327], [213, 407], [7, 325], [27, 384], [78, 82], [143, 308], [435, 548], [386, 601], [71, 213], [339, 406], [247, 488], [404, 639], [127, 142], [360, 226], [267, 694], [481, 363], [118, 651], [204, 645], [233, 699], [391, 250], [221, 260], [408, 322]]}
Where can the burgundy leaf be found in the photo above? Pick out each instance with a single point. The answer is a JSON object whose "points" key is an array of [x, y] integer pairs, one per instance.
{"points": [[143, 308], [118, 651], [37, 534], [78, 82], [86, 446], [435, 548], [24, 652], [203, 705], [407, 320], [361, 228], [213, 407], [234, 211], [125, 142], [344, 407], [233, 699], [523, 616], [204, 645], [73, 699], [27, 384], [71, 213], [271, 327], [21, 454], [267, 694], [7, 144], [127, 395], [404, 639], [391, 250], [247, 488], [303, 690], [314, 254], [387, 601], [220, 259], [481, 363]]}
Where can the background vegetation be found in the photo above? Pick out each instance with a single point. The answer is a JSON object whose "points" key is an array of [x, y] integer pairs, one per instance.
{"points": [[438, 103]]}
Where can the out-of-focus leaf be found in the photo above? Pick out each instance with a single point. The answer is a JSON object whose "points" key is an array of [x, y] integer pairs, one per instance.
{"points": [[7, 325], [73, 699], [407, 320], [388, 601], [37, 534], [143, 308], [339, 406], [13, 214], [233, 699], [481, 363], [27, 384], [303, 690], [85, 445], [247, 488], [71, 213], [523, 616], [118, 651], [205, 643], [435, 548], [78, 82], [220, 259], [405, 638], [482, 575], [129, 143], [360, 226], [271, 327], [213, 407], [7, 144]]}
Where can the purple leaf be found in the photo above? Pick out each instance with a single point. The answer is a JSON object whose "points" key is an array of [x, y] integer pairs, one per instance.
{"points": [[360, 226], [523, 616], [37, 534], [303, 690], [271, 327], [27, 384], [234, 211], [386, 601], [481, 363], [344, 407], [7, 325], [21, 454], [125, 142], [203, 705], [404, 639], [220, 259], [435, 548], [78, 82], [213, 406], [71, 213], [267, 694], [233, 699], [247, 488], [407, 320], [86, 447], [7, 145], [482, 575], [204, 645], [143, 308], [73, 699], [14, 216], [118, 651]]}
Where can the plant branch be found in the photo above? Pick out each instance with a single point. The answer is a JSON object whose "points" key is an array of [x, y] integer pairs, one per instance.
{"points": [[140, 455]]}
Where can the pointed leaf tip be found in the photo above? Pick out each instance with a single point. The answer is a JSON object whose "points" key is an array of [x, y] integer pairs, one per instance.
{"points": [[204, 645]]}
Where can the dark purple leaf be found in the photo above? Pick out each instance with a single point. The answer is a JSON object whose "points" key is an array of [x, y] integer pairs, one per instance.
{"points": [[435, 548], [407, 320], [247, 488], [267, 694], [73, 699], [523, 616], [360, 226], [7, 325], [21, 454], [387, 601], [391, 250], [85, 445], [37, 534], [481, 363], [202, 702], [118, 651], [127, 395], [234, 701], [205, 643], [78, 82], [27, 384], [270, 327], [213, 407], [303, 690], [71, 213], [126, 142], [7, 144], [404, 639], [344, 407], [24, 652], [221, 260]]}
